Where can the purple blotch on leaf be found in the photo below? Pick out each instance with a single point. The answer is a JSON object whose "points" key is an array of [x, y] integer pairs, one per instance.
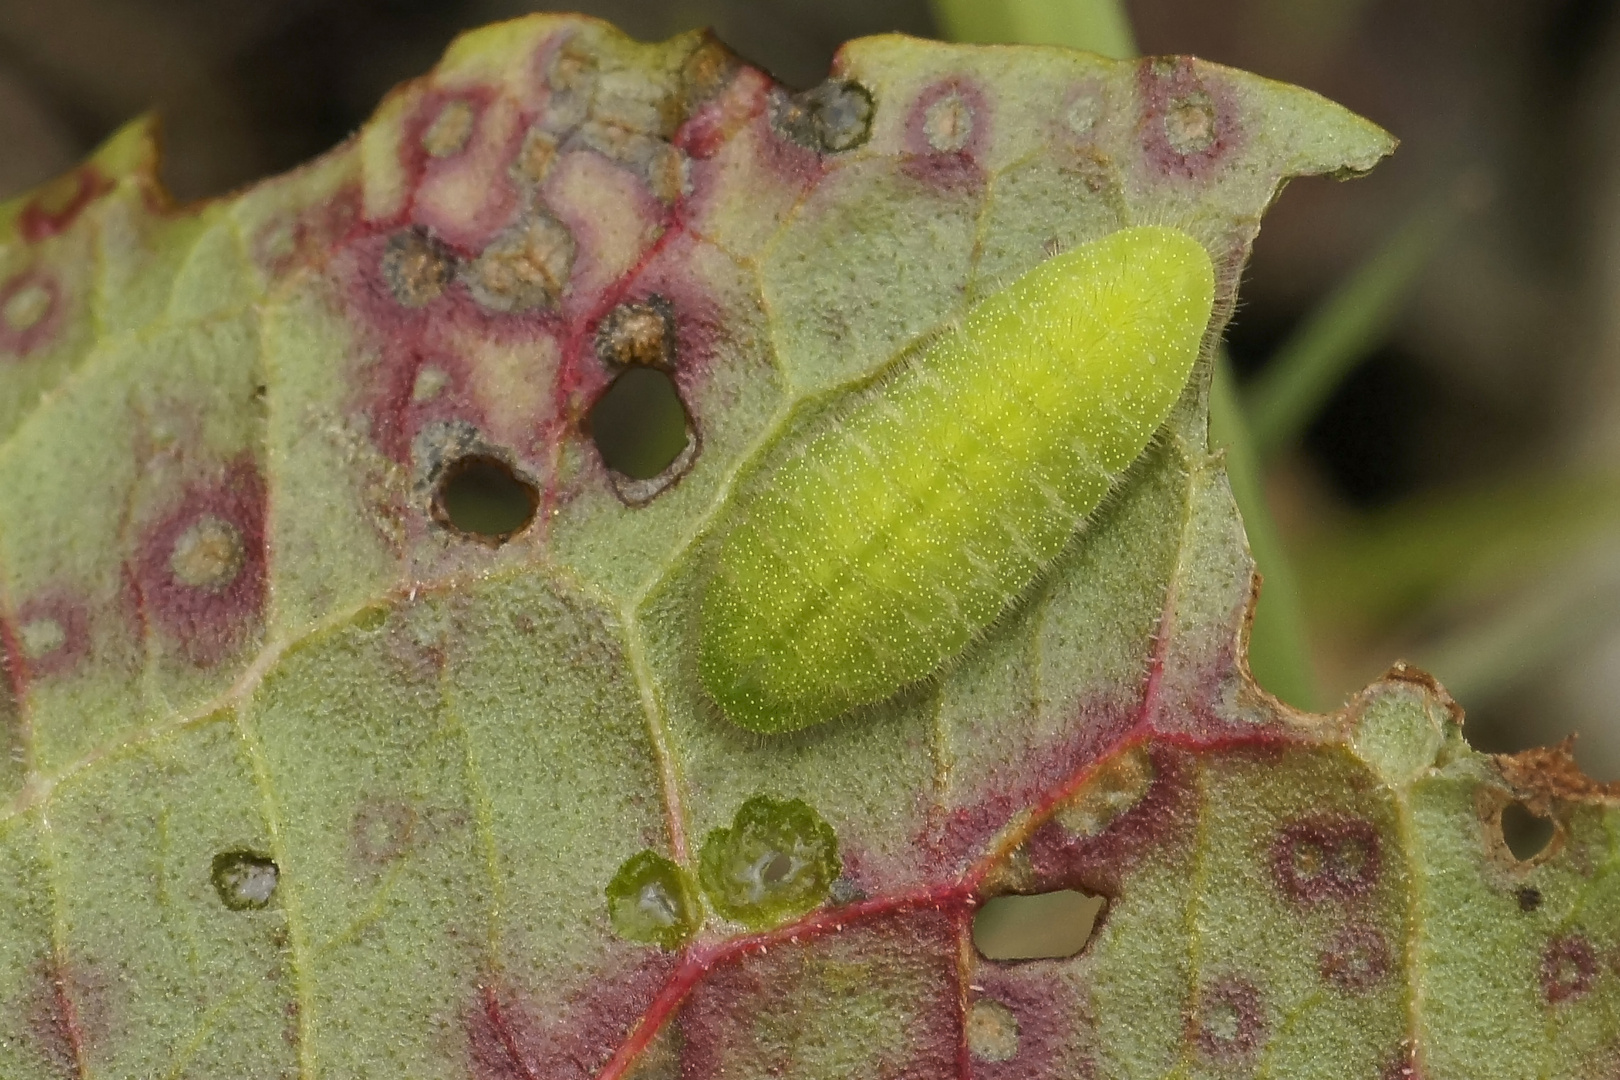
{"points": [[1326, 858], [1569, 967], [1357, 959], [200, 572], [1231, 1021]]}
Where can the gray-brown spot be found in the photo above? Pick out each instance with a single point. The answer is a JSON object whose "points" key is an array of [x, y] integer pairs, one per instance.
{"points": [[1189, 123], [638, 333], [417, 267], [536, 157], [830, 118], [525, 267]]}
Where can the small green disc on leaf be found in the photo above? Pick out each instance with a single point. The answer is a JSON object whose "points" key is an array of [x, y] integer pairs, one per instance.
{"points": [[777, 861], [652, 900]]}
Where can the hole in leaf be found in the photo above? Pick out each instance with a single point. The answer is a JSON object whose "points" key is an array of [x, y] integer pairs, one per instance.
{"points": [[245, 879], [484, 499], [1525, 832], [639, 424], [1045, 926]]}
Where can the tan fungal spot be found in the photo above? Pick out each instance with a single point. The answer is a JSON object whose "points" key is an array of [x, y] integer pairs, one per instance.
{"points": [[1189, 123], [208, 555], [1118, 786], [1082, 115], [41, 637], [417, 267], [638, 333], [948, 124], [536, 157], [992, 1031], [26, 307], [666, 173], [430, 383], [450, 130], [524, 267]]}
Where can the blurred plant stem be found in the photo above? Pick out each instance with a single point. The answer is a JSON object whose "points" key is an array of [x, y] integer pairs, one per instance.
{"points": [[1279, 655], [1344, 329], [1099, 26], [1279, 648]]}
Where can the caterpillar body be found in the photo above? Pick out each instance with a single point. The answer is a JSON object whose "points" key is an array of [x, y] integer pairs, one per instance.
{"points": [[914, 518]]}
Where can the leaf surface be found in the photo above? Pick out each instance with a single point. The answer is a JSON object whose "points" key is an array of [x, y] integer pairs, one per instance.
{"points": [[314, 771]]}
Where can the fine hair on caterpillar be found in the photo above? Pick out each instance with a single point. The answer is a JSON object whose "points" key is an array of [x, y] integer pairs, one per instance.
{"points": [[916, 512]]}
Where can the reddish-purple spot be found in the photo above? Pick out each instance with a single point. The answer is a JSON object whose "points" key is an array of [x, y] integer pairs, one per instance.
{"points": [[30, 312], [54, 209], [200, 571], [1231, 1021], [1098, 864], [1404, 1065], [1569, 967], [947, 131], [712, 126], [442, 197], [49, 635], [1326, 858], [509, 1038], [66, 1016], [1188, 126], [382, 830], [308, 238], [757, 1015], [1054, 1026], [1357, 959]]}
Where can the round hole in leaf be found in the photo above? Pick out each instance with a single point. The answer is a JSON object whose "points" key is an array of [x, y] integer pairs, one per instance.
{"points": [[1525, 832], [245, 880], [639, 424], [1043, 926], [484, 498]]}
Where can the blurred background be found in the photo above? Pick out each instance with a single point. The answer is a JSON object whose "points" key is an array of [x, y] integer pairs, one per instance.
{"points": [[1427, 360]]}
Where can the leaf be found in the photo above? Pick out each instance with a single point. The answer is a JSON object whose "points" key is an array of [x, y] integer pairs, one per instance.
{"points": [[354, 700]]}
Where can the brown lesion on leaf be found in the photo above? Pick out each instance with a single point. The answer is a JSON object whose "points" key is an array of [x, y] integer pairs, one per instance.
{"points": [[992, 1030], [638, 332], [832, 118], [1189, 125], [417, 267], [1545, 777], [382, 830], [525, 267]]}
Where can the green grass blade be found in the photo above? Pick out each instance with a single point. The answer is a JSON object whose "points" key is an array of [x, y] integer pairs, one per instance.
{"points": [[1099, 26], [1279, 653], [1345, 328]]}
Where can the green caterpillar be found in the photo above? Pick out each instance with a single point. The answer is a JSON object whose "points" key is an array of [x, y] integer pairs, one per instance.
{"points": [[911, 521]]}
